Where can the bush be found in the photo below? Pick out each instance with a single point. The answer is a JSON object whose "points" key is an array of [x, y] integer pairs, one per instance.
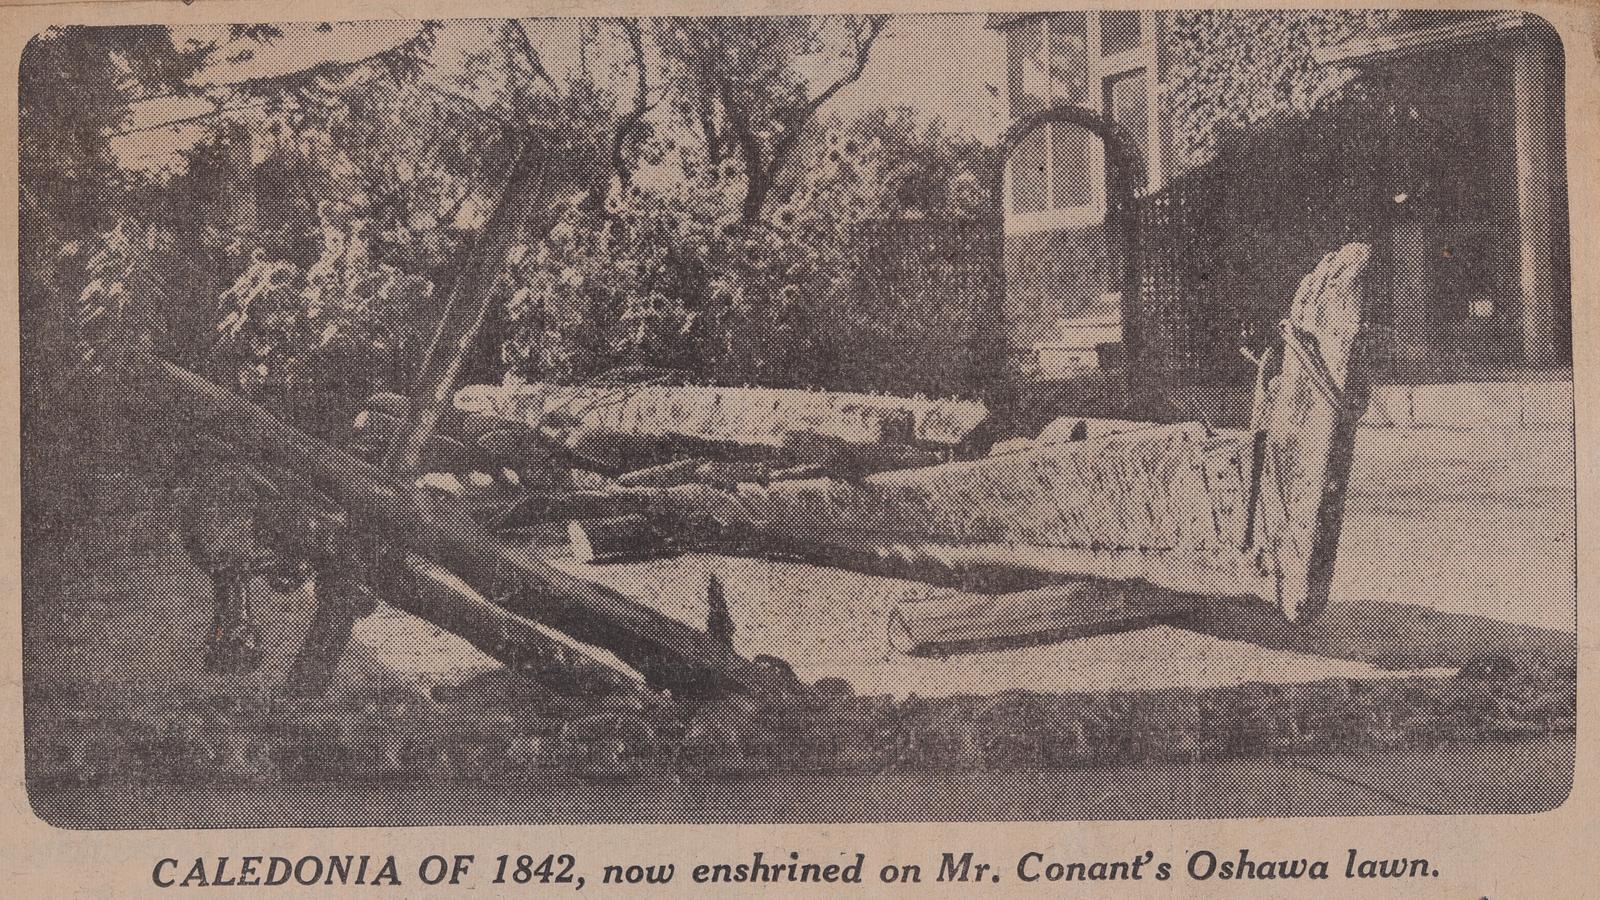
{"points": [[667, 271], [343, 320]]}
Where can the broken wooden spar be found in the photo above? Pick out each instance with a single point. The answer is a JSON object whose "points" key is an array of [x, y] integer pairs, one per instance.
{"points": [[530, 192], [666, 652], [415, 584], [1184, 507]]}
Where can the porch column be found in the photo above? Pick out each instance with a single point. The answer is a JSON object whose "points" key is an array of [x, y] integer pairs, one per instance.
{"points": [[1541, 212]]}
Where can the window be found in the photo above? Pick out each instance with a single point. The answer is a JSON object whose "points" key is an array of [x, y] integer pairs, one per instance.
{"points": [[1100, 60], [1127, 103], [1047, 66], [1029, 93], [1071, 183], [1120, 32]]}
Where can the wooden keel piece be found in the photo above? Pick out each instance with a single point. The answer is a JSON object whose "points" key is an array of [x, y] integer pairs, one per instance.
{"points": [[960, 622]]}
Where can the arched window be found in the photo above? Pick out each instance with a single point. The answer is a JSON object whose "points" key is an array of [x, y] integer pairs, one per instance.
{"points": [[1100, 60]]}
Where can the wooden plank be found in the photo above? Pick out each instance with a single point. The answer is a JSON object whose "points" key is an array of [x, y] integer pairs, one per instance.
{"points": [[535, 184], [960, 622]]}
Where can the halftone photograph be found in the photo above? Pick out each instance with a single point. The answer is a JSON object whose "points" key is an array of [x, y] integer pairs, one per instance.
{"points": [[961, 417]]}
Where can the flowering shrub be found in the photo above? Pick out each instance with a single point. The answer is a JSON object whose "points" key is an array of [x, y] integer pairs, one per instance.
{"points": [[668, 271], [340, 315]]}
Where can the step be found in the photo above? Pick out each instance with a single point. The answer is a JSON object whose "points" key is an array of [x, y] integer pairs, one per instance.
{"points": [[1063, 359], [1087, 332]]}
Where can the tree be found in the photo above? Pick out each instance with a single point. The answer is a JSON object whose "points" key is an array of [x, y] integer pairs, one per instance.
{"points": [[729, 243], [75, 87], [419, 163], [923, 170], [737, 82], [695, 207]]}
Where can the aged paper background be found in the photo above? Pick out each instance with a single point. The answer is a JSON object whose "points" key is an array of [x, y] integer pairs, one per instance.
{"points": [[1545, 855]]}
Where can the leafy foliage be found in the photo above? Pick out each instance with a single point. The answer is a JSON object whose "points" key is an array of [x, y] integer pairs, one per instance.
{"points": [[75, 85], [317, 225], [738, 81], [668, 271], [282, 322]]}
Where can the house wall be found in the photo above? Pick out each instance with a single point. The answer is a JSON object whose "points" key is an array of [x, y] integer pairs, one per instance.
{"points": [[1298, 156], [1224, 69]]}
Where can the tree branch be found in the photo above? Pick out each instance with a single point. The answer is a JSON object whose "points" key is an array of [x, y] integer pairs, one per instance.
{"points": [[708, 126], [188, 120], [330, 68], [287, 83], [864, 39], [763, 177], [641, 101], [525, 42], [758, 181]]}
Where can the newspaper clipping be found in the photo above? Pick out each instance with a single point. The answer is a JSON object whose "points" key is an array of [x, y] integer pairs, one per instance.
{"points": [[981, 450]]}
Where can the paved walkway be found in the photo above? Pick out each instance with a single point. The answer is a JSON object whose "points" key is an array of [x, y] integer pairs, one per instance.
{"points": [[1528, 776]]}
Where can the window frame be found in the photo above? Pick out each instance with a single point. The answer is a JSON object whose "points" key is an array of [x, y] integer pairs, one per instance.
{"points": [[1100, 69]]}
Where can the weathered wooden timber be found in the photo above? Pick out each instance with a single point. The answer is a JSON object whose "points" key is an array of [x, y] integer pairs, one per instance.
{"points": [[747, 416], [614, 538], [527, 203], [1077, 428], [387, 510], [415, 584], [1188, 508], [963, 622], [670, 474], [1309, 415], [1164, 505], [836, 457], [605, 447]]}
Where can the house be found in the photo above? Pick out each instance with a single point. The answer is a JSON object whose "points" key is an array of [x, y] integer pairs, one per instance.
{"points": [[1243, 121]]}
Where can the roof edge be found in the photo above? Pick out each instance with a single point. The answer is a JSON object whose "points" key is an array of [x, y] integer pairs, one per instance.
{"points": [[1405, 43]]}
